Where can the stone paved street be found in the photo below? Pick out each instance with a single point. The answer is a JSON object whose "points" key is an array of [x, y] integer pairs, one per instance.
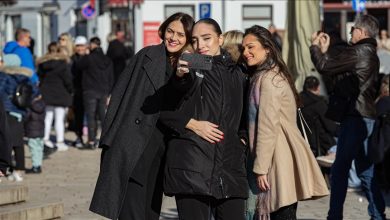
{"points": [[70, 177]]}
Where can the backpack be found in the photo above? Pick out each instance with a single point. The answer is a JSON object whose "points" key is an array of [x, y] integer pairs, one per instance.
{"points": [[23, 95]]}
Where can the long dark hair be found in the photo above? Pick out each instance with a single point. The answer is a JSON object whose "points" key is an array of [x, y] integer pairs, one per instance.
{"points": [[274, 58], [185, 19]]}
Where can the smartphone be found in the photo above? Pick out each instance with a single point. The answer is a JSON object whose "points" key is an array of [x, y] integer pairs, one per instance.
{"points": [[198, 61]]}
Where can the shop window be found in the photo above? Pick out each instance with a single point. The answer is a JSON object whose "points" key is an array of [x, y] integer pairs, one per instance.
{"points": [[172, 9], [256, 15]]}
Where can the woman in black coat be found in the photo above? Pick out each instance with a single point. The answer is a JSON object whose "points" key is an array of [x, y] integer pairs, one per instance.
{"points": [[129, 185], [56, 88], [205, 168]]}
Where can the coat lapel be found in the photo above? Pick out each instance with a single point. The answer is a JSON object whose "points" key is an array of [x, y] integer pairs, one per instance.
{"points": [[155, 67]]}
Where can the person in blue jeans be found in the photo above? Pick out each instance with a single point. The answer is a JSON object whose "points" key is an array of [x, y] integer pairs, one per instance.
{"points": [[355, 71]]}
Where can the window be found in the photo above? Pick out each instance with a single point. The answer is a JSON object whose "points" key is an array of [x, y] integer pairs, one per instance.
{"points": [[172, 9], [256, 14]]}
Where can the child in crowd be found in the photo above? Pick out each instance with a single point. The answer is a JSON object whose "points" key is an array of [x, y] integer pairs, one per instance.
{"points": [[34, 130]]}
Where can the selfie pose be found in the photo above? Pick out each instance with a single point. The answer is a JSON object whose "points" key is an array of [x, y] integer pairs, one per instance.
{"points": [[129, 185], [205, 168]]}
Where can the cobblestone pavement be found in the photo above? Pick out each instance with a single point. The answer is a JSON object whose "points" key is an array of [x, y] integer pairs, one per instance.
{"points": [[70, 177]]}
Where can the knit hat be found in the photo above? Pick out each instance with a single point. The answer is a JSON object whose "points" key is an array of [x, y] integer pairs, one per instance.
{"points": [[11, 60]]}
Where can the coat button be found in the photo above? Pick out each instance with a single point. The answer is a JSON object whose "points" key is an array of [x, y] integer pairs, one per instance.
{"points": [[137, 121]]}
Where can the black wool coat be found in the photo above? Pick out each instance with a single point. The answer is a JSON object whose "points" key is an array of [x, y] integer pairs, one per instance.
{"points": [[131, 117]]}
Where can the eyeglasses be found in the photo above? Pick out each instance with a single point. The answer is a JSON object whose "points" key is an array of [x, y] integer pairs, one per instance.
{"points": [[353, 28]]}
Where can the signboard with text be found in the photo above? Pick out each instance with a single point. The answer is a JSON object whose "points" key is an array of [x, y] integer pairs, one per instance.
{"points": [[151, 33]]}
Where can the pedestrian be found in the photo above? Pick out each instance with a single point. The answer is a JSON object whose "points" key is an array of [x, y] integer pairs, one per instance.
{"points": [[34, 127], [323, 130], [20, 47], [275, 36], [5, 147], [56, 88], [133, 146], [119, 53], [205, 168], [77, 74], [97, 81], [12, 77], [232, 44], [284, 170], [65, 40], [358, 65]]}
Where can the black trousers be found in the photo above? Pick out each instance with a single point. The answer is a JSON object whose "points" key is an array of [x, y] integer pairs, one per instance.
{"points": [[285, 213], [16, 131], [145, 188], [94, 106], [5, 147], [78, 110], [191, 207]]}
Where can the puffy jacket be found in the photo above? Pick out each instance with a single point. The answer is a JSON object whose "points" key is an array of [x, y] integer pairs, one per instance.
{"points": [[35, 120], [358, 66], [10, 78], [56, 80], [195, 166], [25, 56], [98, 75]]}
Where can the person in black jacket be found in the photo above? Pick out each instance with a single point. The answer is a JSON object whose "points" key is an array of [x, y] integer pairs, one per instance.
{"points": [[5, 147], [314, 107], [205, 168], [34, 128], [356, 103], [119, 53], [97, 81], [129, 185], [56, 88]]}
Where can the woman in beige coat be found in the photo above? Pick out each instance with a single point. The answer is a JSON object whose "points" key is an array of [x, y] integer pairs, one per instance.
{"points": [[284, 166]]}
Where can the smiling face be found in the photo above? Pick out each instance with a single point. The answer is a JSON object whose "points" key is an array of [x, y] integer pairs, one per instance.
{"points": [[175, 37], [205, 40], [254, 53]]}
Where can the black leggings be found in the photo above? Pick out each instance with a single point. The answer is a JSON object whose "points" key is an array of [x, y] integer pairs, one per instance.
{"points": [[285, 213], [202, 207]]}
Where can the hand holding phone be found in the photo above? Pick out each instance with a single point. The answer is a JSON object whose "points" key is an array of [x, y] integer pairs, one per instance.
{"points": [[198, 61]]}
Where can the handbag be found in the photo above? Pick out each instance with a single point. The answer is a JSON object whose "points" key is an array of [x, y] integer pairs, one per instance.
{"points": [[303, 126]]}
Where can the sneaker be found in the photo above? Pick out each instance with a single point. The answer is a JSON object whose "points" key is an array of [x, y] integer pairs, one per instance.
{"points": [[354, 189], [15, 176], [326, 161], [89, 146], [62, 146], [34, 170], [49, 144], [78, 143]]}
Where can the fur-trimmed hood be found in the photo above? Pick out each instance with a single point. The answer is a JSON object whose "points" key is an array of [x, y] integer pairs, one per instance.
{"points": [[13, 70], [53, 56]]}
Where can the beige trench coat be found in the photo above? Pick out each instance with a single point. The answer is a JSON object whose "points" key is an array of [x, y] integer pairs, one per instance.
{"points": [[281, 151]]}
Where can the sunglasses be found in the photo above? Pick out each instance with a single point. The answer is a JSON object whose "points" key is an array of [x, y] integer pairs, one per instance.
{"points": [[353, 28]]}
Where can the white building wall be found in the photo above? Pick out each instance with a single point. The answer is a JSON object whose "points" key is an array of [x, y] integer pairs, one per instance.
{"points": [[153, 11]]}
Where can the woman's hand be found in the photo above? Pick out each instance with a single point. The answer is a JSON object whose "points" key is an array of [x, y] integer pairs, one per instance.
{"points": [[262, 182], [205, 130], [182, 67]]}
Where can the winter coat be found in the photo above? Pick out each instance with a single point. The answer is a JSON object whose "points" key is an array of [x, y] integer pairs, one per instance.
{"points": [[25, 56], [322, 129], [359, 87], [128, 126], [34, 125], [98, 76], [10, 78], [119, 54], [280, 150], [55, 80], [193, 165]]}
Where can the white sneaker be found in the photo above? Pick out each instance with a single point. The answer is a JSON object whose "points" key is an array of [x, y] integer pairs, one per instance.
{"points": [[48, 143], [62, 146], [15, 176]]}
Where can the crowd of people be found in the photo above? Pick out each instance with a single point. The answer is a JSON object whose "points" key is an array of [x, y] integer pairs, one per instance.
{"points": [[233, 140], [68, 87]]}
